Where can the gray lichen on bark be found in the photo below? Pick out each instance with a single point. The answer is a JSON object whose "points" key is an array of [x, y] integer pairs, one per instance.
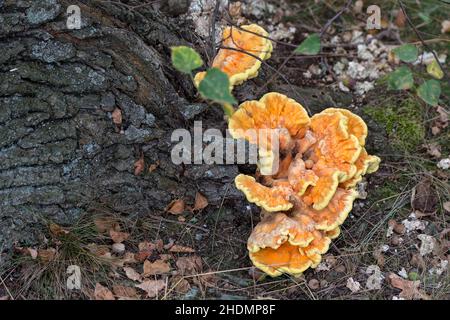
{"points": [[60, 152]]}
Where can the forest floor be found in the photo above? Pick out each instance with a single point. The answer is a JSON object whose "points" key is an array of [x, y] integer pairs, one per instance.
{"points": [[400, 227]]}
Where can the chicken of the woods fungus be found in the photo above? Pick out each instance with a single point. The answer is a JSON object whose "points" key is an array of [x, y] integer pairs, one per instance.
{"points": [[241, 53], [321, 160]]}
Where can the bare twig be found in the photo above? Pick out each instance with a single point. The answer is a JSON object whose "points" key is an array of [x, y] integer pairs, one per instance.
{"points": [[213, 28], [6, 288], [338, 14], [293, 53], [259, 59]]}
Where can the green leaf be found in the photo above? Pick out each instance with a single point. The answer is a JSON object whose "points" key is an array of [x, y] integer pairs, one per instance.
{"points": [[435, 70], [425, 17], [430, 91], [310, 45], [401, 79], [407, 53], [413, 276], [216, 86], [185, 59]]}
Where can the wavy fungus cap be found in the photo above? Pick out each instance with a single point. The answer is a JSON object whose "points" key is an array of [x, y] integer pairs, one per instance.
{"points": [[322, 158], [329, 147], [286, 244], [241, 54], [272, 111]]}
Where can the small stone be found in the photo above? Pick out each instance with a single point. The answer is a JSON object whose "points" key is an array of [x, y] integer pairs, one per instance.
{"points": [[353, 285], [444, 164], [427, 244], [402, 273], [118, 248], [314, 284]]}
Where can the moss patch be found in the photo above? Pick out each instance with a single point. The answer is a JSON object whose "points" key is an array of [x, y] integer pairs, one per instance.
{"points": [[403, 122]]}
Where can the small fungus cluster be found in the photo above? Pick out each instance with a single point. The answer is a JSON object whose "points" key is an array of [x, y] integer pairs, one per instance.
{"points": [[321, 159], [242, 51], [318, 161]]}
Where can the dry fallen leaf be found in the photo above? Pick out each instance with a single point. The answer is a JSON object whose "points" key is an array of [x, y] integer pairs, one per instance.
{"points": [[443, 116], [103, 293], [47, 255], [153, 167], [417, 261], [410, 289], [157, 267], [123, 292], [132, 274], [447, 206], [141, 256], [57, 230], [32, 252], [189, 265], [129, 258], [152, 287], [181, 249], [104, 224], [146, 246], [117, 116], [165, 257], [180, 284], [200, 201], [176, 207], [433, 149], [400, 19], [424, 197], [100, 251], [139, 165], [117, 236]]}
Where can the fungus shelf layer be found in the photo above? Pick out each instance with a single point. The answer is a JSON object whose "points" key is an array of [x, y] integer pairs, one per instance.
{"points": [[242, 51], [321, 160]]}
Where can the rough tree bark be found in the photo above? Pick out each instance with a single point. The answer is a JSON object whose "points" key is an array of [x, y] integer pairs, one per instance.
{"points": [[60, 152]]}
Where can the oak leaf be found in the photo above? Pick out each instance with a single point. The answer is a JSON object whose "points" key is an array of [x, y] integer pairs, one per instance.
{"points": [[154, 268], [103, 293], [152, 287]]}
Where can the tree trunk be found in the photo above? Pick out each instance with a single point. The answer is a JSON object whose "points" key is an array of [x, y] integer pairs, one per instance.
{"points": [[61, 154]]}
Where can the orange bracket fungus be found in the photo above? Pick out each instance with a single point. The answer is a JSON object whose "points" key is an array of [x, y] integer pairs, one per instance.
{"points": [[241, 54], [321, 160]]}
